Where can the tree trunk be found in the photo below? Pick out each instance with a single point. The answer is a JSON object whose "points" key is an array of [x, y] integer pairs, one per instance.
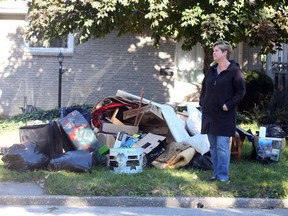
{"points": [[208, 59]]}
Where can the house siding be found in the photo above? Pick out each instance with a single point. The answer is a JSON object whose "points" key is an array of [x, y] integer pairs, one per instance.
{"points": [[97, 69]]}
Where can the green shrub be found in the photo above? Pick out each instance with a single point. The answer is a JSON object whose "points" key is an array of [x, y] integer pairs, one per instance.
{"points": [[259, 90], [257, 105], [16, 121], [267, 116]]}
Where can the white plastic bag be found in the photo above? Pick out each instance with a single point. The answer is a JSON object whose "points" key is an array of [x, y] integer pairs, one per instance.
{"points": [[200, 143], [193, 121]]}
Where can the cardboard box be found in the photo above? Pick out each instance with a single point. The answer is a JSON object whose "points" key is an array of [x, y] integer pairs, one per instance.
{"points": [[147, 112], [114, 129], [106, 139], [269, 147], [153, 146], [280, 141], [157, 129], [149, 115], [149, 142]]}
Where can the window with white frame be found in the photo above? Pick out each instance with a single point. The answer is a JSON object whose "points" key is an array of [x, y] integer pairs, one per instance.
{"points": [[66, 46], [189, 63], [17, 10]]}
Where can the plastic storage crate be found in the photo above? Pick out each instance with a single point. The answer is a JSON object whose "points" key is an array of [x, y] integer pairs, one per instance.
{"points": [[126, 160]]}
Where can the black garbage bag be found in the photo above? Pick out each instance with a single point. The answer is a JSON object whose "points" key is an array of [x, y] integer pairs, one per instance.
{"points": [[25, 156], [75, 161], [50, 137], [98, 159], [275, 131], [201, 162]]}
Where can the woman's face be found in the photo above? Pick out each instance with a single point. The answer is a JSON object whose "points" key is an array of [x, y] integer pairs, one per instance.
{"points": [[218, 54]]}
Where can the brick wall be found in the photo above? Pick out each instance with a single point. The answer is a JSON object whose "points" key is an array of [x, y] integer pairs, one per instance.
{"points": [[97, 69]]}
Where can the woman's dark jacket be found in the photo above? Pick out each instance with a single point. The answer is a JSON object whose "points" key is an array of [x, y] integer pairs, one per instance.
{"points": [[226, 88]]}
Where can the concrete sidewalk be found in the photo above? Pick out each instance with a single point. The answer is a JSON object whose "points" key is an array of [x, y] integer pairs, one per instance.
{"points": [[13, 193]]}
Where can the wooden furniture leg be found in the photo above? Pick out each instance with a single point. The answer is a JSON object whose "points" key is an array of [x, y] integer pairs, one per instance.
{"points": [[236, 144]]}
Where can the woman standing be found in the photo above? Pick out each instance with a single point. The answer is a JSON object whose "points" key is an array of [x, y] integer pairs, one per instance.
{"points": [[223, 87]]}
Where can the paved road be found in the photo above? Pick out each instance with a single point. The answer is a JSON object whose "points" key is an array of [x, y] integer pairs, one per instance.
{"points": [[132, 211]]}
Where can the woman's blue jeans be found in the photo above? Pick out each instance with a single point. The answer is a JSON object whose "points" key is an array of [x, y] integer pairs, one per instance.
{"points": [[220, 155]]}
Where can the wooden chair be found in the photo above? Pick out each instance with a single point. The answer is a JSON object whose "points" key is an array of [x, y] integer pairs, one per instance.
{"points": [[236, 144]]}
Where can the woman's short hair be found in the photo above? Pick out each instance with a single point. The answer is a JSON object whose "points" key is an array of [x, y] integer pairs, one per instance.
{"points": [[224, 46]]}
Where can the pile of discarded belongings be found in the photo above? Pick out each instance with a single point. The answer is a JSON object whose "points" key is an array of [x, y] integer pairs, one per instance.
{"points": [[124, 132]]}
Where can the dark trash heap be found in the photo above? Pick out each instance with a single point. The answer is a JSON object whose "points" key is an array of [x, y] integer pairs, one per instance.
{"points": [[124, 132]]}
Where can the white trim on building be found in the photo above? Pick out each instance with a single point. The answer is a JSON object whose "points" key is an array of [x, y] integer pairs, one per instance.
{"points": [[19, 7]]}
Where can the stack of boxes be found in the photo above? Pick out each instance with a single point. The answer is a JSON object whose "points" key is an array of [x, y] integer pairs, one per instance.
{"points": [[268, 148]]}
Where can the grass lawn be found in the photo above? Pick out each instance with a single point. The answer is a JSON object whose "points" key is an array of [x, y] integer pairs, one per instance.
{"points": [[249, 178]]}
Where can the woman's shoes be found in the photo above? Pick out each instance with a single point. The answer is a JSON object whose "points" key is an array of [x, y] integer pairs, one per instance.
{"points": [[224, 180], [213, 178]]}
